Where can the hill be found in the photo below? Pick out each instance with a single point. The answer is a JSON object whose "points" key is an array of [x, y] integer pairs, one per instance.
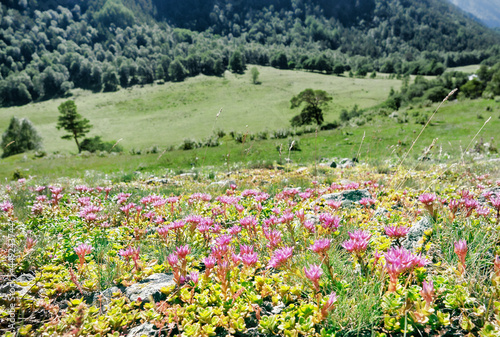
{"points": [[488, 11], [49, 48]]}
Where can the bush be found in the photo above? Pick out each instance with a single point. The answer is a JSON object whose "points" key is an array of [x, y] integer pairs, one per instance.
{"points": [[97, 144], [330, 126], [188, 144]]}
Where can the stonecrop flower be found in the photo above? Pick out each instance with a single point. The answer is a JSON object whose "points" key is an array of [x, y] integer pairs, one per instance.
{"points": [[81, 251], [320, 246], [396, 231], [329, 221], [461, 250], [314, 273], [358, 242], [280, 256], [427, 292], [427, 198]]}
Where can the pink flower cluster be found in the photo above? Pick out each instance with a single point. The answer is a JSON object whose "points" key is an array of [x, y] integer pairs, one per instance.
{"points": [[358, 242], [280, 257]]}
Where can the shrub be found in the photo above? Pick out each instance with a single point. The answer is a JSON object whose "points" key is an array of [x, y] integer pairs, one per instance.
{"points": [[188, 144], [97, 144], [330, 126]]}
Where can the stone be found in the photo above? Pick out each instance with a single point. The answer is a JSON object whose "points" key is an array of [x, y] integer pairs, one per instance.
{"points": [[150, 287], [223, 183], [347, 197], [380, 212], [416, 233], [145, 329], [106, 296], [25, 278]]}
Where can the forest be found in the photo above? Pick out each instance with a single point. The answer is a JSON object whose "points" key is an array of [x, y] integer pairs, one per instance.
{"points": [[48, 48]]}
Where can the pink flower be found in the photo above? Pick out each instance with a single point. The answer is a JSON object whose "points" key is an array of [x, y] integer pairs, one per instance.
{"points": [[172, 259], [248, 222], [396, 231], [310, 225], [332, 298], [321, 246], [329, 221], [81, 251], [427, 198], [30, 243], [483, 211], [314, 274], [334, 204], [427, 292], [367, 202], [274, 238], [496, 265], [249, 259], [461, 250], [280, 257], [6, 206], [182, 251], [209, 262]]}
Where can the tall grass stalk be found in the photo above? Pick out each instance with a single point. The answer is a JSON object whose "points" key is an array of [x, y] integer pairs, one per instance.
{"points": [[481, 129], [359, 150], [213, 128], [425, 126]]}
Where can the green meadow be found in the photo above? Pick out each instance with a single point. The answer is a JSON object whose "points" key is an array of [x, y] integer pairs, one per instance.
{"points": [[163, 115], [166, 114]]}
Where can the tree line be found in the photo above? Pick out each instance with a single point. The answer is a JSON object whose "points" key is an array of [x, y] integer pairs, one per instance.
{"points": [[104, 45]]}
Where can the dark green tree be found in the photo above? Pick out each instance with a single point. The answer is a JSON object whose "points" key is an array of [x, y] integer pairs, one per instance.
{"points": [[72, 122], [314, 101], [237, 63], [176, 71], [20, 136]]}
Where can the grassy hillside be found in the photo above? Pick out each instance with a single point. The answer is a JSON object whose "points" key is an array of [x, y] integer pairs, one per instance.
{"points": [[385, 141], [166, 114]]}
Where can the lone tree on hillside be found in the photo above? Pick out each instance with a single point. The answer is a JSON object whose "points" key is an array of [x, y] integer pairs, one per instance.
{"points": [[72, 122], [20, 136], [314, 100]]}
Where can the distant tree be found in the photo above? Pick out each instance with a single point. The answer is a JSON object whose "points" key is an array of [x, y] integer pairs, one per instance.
{"points": [[177, 71], [20, 136], [255, 75], [279, 61], [72, 122], [237, 63], [314, 101], [110, 81], [338, 69]]}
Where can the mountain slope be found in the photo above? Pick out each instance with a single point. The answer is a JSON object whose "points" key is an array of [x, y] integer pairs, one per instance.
{"points": [[488, 11]]}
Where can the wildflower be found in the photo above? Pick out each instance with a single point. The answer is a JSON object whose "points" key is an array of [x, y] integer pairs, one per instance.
{"points": [[182, 251], [321, 246], [396, 231], [81, 251], [310, 225], [461, 251], [329, 221], [399, 260], [314, 274], [248, 222], [334, 204], [280, 257], [249, 259], [193, 277], [30, 243], [483, 211], [367, 202], [427, 198], [427, 292], [328, 306], [6, 206], [274, 238], [358, 242]]}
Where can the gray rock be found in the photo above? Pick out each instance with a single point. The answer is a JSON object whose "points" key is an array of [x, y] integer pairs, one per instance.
{"points": [[380, 212], [106, 296], [25, 278], [145, 329], [278, 309], [416, 232], [346, 163], [223, 183], [347, 197], [188, 174], [155, 180], [150, 287]]}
